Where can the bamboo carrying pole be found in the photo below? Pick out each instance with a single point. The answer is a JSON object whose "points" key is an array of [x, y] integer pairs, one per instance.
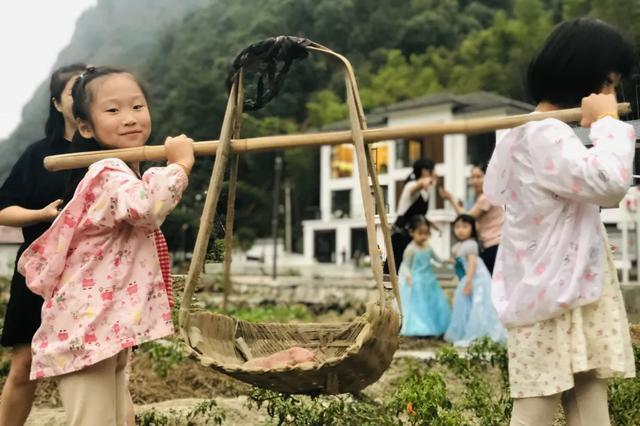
{"points": [[309, 140]]}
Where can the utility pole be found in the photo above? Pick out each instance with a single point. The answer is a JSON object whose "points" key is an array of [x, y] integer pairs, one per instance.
{"points": [[287, 216], [276, 207]]}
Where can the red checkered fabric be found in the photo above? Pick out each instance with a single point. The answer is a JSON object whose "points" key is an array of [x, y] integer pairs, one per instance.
{"points": [[165, 264]]}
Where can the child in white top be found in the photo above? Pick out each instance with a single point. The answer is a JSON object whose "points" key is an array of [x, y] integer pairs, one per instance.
{"points": [[554, 286]]}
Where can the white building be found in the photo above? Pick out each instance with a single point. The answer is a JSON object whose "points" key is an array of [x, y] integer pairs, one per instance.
{"points": [[340, 232]]}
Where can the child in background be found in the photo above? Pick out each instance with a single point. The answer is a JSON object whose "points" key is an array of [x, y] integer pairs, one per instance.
{"points": [[425, 310], [98, 267], [473, 315]]}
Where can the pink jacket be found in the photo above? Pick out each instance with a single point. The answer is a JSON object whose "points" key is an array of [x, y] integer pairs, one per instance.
{"points": [[98, 271]]}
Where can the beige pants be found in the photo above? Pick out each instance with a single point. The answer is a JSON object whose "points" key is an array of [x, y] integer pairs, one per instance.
{"points": [[97, 395], [584, 405]]}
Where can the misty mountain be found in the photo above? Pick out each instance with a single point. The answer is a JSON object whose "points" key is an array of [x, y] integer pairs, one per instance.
{"points": [[116, 32]]}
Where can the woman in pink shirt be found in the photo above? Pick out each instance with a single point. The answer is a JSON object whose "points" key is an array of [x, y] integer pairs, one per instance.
{"points": [[98, 267], [489, 218]]}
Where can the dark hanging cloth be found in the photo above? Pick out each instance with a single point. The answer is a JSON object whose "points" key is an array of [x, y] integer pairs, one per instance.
{"points": [[270, 60], [30, 186]]}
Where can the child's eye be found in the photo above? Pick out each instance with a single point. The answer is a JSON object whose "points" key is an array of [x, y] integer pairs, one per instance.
{"points": [[138, 107], [113, 110]]}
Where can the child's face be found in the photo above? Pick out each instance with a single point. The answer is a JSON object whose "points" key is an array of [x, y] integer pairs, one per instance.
{"points": [[119, 114], [462, 230], [421, 234]]}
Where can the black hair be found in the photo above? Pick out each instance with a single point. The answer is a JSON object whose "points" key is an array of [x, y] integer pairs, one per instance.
{"points": [[54, 127], [481, 166], [417, 221], [418, 167], [576, 60], [466, 218]]}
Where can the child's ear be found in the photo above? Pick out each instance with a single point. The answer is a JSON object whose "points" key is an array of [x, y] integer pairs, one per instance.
{"points": [[56, 104], [84, 128]]}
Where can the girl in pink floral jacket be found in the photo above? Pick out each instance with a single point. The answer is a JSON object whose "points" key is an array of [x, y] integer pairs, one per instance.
{"points": [[98, 266]]}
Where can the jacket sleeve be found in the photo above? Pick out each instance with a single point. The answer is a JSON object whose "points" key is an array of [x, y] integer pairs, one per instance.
{"points": [[43, 262], [118, 196], [496, 179], [563, 165]]}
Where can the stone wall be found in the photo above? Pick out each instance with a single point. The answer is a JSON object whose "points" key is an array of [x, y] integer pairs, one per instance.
{"points": [[321, 294]]}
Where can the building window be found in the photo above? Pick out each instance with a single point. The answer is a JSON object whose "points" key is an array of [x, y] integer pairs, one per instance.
{"points": [[341, 161], [410, 150], [359, 243], [407, 151], [433, 148], [324, 246], [380, 157], [341, 203], [480, 147]]}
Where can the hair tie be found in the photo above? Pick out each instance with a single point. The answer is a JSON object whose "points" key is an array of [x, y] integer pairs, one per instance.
{"points": [[90, 70]]}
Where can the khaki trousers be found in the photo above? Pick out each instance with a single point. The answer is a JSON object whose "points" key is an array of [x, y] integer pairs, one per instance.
{"points": [[97, 395]]}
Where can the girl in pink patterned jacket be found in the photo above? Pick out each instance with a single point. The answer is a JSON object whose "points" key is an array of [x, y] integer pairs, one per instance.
{"points": [[98, 267]]}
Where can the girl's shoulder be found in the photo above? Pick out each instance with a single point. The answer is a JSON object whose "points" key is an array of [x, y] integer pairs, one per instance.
{"points": [[469, 246], [110, 167], [548, 128], [545, 123], [113, 164], [101, 172]]}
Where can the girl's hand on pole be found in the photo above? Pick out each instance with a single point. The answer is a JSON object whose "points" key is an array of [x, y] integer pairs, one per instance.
{"points": [[597, 106], [180, 151]]}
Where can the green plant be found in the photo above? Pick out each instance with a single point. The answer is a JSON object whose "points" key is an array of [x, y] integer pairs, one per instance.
{"points": [[175, 312], [164, 355], [152, 418], [624, 397], [424, 400], [207, 410], [489, 403], [5, 365], [320, 411], [271, 313], [216, 251]]}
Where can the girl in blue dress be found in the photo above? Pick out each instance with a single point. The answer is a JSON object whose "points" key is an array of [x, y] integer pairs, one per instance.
{"points": [[473, 315], [425, 310]]}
